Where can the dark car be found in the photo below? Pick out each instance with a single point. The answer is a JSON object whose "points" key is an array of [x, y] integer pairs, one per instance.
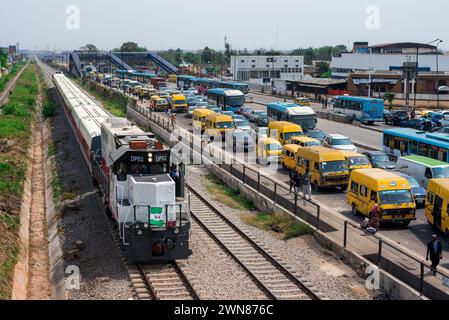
{"points": [[262, 120], [380, 160], [316, 134], [419, 193], [413, 123], [241, 141], [395, 117], [245, 111], [437, 117]]}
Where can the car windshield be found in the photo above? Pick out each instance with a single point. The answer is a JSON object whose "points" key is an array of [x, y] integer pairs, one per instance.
{"points": [[239, 117], [317, 134], [242, 123], [180, 102], [312, 143], [289, 135], [225, 125], [395, 196], [358, 161], [380, 158], [258, 112], [341, 141], [441, 172], [333, 166], [274, 147], [412, 182]]}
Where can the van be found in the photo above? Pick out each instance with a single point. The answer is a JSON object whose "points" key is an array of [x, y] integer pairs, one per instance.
{"points": [[302, 101], [327, 167], [304, 141], [437, 204], [199, 119], [391, 191], [268, 150], [178, 103], [218, 124], [422, 168], [356, 160], [283, 131], [288, 156], [172, 78], [158, 104]]}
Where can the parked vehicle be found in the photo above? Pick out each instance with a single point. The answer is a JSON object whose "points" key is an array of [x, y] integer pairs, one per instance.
{"points": [[339, 142], [422, 168], [242, 124], [416, 123], [238, 117], [229, 113], [191, 101], [391, 191], [189, 113], [380, 160], [199, 119], [218, 125], [268, 150], [327, 167], [288, 156], [262, 120], [395, 117], [254, 114], [302, 101], [437, 204], [316, 134], [283, 131], [356, 160], [245, 111], [418, 191], [242, 141]]}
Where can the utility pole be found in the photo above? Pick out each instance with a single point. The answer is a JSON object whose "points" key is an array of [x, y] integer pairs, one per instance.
{"points": [[438, 75], [369, 73]]}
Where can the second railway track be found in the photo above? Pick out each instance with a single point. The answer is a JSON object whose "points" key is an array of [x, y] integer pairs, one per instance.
{"points": [[273, 278]]}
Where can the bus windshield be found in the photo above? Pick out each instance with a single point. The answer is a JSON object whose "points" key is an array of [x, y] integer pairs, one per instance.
{"points": [[333, 166], [225, 125], [441, 172], [273, 147], [312, 143], [395, 196], [235, 101], [179, 102], [306, 122]]}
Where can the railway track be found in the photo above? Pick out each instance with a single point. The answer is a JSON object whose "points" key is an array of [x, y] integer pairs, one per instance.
{"points": [[273, 278]]}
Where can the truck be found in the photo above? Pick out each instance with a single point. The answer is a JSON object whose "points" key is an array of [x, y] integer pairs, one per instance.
{"points": [[158, 83]]}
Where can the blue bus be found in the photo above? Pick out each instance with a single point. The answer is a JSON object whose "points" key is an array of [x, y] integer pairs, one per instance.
{"points": [[226, 99], [235, 85], [365, 110], [400, 142], [184, 82], [301, 115]]}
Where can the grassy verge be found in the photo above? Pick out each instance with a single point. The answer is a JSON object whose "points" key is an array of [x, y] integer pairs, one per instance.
{"points": [[15, 136], [113, 105], [228, 196], [4, 80], [280, 223]]}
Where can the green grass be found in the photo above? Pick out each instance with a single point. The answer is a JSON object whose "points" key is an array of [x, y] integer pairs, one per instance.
{"points": [[4, 80], [228, 196], [279, 223], [15, 125]]}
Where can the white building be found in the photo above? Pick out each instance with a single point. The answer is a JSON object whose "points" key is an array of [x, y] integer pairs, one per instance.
{"points": [[267, 68], [389, 57]]}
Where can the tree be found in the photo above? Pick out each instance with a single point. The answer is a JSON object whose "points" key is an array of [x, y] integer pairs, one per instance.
{"points": [[323, 69], [389, 97], [3, 58], [228, 52], [191, 57], [130, 47], [178, 56], [89, 47], [207, 55]]}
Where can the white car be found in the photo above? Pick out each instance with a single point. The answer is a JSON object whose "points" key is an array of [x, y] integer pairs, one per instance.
{"points": [[242, 125], [339, 142]]}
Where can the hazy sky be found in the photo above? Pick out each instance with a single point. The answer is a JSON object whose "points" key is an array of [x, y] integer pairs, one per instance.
{"points": [[163, 24]]}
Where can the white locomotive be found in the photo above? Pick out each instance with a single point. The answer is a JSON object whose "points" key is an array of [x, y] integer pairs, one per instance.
{"points": [[143, 190]]}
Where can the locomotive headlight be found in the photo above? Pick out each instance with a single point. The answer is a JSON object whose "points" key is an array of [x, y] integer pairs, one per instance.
{"points": [[145, 225], [139, 232], [150, 157]]}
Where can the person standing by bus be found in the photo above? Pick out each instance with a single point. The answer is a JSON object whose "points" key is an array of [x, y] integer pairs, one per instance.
{"points": [[293, 176], [435, 251], [307, 187]]}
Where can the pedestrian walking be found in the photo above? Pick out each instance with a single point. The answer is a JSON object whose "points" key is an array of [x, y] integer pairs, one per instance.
{"points": [[293, 176], [435, 252], [375, 217], [307, 187], [173, 120], [298, 183], [412, 114]]}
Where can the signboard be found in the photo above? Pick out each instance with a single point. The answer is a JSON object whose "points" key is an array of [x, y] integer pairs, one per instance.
{"points": [[12, 50]]}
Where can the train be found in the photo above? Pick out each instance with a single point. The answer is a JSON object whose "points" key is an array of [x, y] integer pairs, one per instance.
{"points": [[141, 182]]}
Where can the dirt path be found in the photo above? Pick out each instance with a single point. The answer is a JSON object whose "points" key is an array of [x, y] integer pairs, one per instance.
{"points": [[10, 86], [39, 283]]}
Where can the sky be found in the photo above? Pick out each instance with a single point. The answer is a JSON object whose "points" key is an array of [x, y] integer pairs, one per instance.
{"points": [[194, 24]]}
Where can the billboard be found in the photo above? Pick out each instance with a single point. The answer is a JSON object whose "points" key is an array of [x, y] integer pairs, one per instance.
{"points": [[12, 50]]}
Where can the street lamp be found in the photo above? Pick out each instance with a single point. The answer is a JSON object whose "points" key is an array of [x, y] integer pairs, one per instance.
{"points": [[438, 80]]}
